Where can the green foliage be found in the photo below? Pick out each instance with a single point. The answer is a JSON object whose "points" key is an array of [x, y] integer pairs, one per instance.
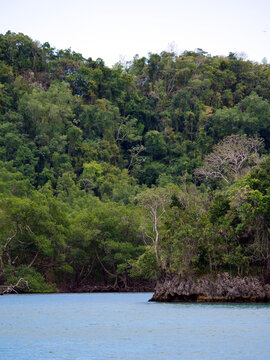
{"points": [[146, 265], [34, 281], [155, 144], [89, 153], [219, 208]]}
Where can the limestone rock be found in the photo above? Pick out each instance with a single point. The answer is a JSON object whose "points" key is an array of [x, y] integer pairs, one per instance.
{"points": [[221, 288]]}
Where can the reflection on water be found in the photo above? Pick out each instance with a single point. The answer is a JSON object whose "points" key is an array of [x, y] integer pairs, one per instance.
{"points": [[126, 326]]}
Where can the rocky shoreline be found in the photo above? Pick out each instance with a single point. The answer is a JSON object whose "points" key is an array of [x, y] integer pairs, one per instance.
{"points": [[221, 288], [88, 289], [111, 289]]}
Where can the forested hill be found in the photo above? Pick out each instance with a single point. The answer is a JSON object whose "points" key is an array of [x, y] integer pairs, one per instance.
{"points": [[111, 177]]}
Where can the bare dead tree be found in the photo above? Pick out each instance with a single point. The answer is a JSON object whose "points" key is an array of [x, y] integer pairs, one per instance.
{"points": [[21, 283], [231, 158], [154, 201]]}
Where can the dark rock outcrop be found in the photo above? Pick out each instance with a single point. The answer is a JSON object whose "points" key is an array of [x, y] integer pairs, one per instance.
{"points": [[221, 288]]}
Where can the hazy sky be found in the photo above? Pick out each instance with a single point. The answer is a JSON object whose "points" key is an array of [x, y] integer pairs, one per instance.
{"points": [[119, 29]]}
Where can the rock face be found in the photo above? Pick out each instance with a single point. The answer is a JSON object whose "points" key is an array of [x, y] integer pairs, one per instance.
{"points": [[221, 288]]}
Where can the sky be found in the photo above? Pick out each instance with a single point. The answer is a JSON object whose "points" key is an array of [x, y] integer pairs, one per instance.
{"points": [[117, 30]]}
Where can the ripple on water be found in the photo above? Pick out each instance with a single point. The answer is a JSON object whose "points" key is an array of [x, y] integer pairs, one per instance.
{"points": [[126, 326]]}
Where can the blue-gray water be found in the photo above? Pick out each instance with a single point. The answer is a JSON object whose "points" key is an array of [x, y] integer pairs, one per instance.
{"points": [[126, 326]]}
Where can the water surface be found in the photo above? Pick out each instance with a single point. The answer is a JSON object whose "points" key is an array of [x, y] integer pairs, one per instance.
{"points": [[126, 326]]}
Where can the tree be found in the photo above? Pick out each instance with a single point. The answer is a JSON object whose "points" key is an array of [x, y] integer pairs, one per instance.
{"points": [[105, 239], [32, 235], [250, 116], [231, 158], [250, 203], [155, 201], [155, 144]]}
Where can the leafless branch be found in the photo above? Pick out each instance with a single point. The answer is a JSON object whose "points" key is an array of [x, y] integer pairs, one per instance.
{"points": [[13, 288], [232, 157]]}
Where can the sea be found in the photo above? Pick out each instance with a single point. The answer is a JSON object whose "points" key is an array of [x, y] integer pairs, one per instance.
{"points": [[125, 326]]}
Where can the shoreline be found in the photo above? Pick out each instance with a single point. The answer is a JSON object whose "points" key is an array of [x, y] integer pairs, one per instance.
{"points": [[90, 290], [222, 288], [215, 299]]}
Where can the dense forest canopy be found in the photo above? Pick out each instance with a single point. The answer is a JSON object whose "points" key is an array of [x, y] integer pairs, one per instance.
{"points": [[114, 176]]}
